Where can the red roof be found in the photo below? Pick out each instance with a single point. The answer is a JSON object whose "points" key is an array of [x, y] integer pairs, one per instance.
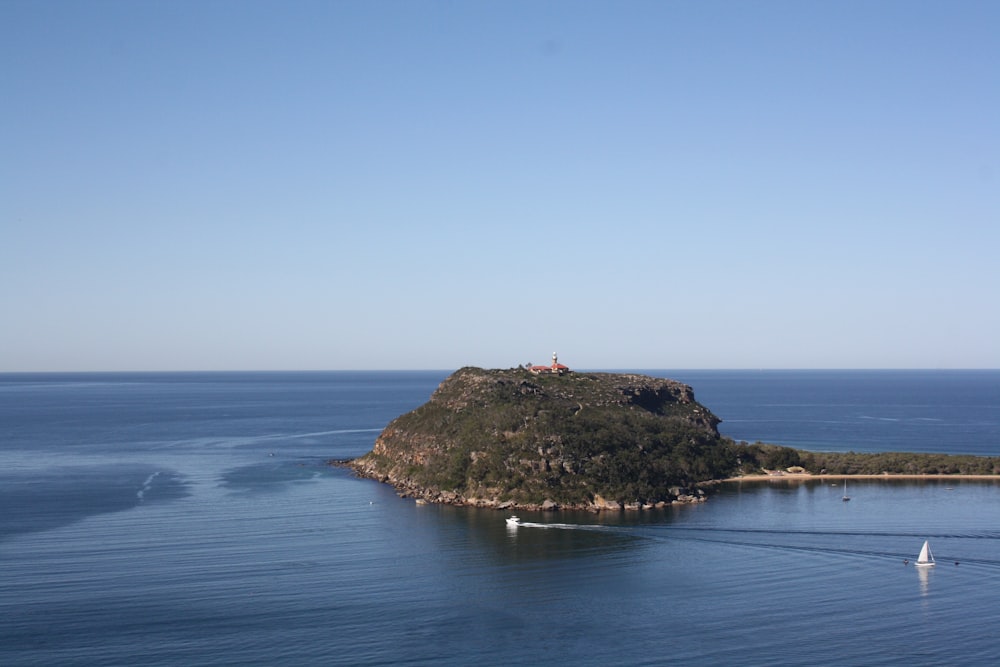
{"points": [[550, 367]]}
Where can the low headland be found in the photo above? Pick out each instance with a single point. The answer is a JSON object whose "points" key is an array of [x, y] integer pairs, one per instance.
{"points": [[546, 438]]}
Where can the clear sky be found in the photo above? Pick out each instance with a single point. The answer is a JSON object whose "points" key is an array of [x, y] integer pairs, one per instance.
{"points": [[215, 185]]}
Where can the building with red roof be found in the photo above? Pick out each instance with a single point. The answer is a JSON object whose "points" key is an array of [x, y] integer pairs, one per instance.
{"points": [[555, 367]]}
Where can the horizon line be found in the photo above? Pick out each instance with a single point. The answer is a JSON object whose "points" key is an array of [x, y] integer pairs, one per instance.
{"points": [[446, 370]]}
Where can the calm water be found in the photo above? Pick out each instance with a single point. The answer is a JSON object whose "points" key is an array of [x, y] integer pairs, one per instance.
{"points": [[167, 519], [957, 412]]}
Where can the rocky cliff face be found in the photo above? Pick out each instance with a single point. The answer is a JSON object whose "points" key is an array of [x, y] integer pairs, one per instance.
{"points": [[509, 438]]}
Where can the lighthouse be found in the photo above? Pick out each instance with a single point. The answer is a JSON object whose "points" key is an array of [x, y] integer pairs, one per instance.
{"points": [[556, 367]]}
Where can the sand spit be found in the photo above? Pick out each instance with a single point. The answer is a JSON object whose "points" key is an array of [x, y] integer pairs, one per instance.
{"points": [[801, 477]]}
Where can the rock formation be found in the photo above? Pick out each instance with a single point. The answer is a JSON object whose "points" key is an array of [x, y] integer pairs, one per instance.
{"points": [[515, 439]]}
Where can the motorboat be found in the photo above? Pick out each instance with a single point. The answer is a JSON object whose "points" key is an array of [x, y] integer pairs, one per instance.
{"points": [[514, 521]]}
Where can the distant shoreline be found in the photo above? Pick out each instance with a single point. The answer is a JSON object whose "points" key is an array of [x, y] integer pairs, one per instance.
{"points": [[801, 477]]}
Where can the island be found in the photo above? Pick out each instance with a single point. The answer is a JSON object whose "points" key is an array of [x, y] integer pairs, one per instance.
{"points": [[547, 438]]}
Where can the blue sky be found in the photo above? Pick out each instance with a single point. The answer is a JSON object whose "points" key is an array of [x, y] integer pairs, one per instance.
{"points": [[366, 185]]}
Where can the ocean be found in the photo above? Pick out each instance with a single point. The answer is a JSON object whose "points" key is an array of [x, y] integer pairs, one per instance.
{"points": [[192, 519]]}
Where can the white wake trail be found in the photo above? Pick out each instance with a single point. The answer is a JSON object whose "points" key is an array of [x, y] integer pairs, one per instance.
{"points": [[146, 486]]}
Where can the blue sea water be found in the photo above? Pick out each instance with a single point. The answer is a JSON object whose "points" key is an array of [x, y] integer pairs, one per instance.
{"points": [[956, 412], [191, 519]]}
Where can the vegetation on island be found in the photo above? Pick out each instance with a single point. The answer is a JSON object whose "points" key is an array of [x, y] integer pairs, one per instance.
{"points": [[516, 438], [757, 457], [498, 437]]}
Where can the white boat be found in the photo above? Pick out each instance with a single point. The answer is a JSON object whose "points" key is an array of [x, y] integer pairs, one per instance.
{"points": [[846, 497], [926, 558], [514, 521]]}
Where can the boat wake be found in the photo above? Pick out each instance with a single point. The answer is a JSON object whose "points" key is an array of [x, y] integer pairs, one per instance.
{"points": [[146, 486], [250, 441], [560, 526], [818, 542]]}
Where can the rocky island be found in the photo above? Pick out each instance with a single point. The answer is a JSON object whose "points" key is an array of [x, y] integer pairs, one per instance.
{"points": [[543, 437]]}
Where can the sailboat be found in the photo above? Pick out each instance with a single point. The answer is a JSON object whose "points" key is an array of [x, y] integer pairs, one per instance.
{"points": [[926, 558], [846, 497]]}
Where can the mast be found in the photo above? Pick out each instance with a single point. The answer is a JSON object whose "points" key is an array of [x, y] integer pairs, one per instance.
{"points": [[925, 557]]}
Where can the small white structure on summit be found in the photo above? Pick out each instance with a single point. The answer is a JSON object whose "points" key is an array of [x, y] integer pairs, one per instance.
{"points": [[556, 367]]}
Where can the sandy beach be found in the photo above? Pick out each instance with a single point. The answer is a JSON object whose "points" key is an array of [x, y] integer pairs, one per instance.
{"points": [[798, 477]]}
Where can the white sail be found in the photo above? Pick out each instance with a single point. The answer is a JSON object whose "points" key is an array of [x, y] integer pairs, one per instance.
{"points": [[925, 557]]}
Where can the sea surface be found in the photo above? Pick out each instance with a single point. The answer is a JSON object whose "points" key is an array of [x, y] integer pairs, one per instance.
{"points": [[192, 519]]}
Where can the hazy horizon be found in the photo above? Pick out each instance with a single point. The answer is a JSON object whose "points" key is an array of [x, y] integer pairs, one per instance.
{"points": [[180, 371]]}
